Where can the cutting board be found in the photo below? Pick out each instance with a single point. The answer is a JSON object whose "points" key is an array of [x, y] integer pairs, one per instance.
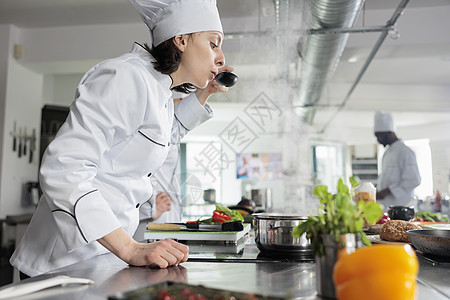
{"points": [[375, 239], [189, 235], [433, 225]]}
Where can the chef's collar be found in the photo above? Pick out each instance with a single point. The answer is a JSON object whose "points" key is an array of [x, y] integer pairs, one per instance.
{"points": [[164, 80], [397, 142]]}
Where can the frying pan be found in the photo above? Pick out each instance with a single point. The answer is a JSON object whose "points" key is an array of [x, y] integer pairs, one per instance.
{"points": [[435, 241]]}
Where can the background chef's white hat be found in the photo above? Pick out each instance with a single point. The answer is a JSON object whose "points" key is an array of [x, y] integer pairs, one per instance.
{"points": [[168, 18], [383, 122]]}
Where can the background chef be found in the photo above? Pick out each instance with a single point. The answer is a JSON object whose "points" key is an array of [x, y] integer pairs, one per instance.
{"points": [[399, 171], [95, 174], [166, 204]]}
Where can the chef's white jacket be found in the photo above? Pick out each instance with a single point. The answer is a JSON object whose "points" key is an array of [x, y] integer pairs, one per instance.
{"points": [[96, 173], [399, 173]]}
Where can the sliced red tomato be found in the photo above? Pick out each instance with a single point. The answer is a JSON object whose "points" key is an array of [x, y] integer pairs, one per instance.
{"points": [[220, 217]]}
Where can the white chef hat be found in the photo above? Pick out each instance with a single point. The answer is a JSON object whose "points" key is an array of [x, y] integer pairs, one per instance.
{"points": [[383, 122], [168, 18]]}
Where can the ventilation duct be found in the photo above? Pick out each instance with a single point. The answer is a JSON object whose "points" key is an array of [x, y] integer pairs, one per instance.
{"points": [[320, 53]]}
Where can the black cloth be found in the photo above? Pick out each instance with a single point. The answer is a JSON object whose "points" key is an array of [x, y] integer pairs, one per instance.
{"points": [[23, 276]]}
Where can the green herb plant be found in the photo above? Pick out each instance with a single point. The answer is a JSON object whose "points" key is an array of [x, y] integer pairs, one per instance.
{"points": [[337, 215]]}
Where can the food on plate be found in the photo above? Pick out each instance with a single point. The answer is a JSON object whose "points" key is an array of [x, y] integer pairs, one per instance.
{"points": [[369, 273], [183, 291], [395, 230], [222, 214], [220, 217], [431, 217]]}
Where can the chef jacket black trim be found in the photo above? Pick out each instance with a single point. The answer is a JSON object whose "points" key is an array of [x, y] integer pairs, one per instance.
{"points": [[61, 210], [74, 209], [139, 44], [151, 139], [181, 123]]}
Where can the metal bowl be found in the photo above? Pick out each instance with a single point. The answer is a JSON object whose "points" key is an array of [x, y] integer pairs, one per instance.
{"points": [[435, 242], [273, 234]]}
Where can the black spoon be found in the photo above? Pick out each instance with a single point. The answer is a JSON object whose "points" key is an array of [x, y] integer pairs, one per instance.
{"points": [[226, 79]]}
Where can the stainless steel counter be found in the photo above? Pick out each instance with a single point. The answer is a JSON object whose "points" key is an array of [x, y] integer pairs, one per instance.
{"points": [[240, 270]]}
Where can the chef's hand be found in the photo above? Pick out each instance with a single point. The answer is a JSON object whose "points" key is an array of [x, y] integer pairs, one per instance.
{"points": [[383, 194], [212, 87], [162, 202], [162, 253]]}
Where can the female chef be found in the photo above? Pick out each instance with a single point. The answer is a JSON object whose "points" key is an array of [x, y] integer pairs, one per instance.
{"points": [[96, 173]]}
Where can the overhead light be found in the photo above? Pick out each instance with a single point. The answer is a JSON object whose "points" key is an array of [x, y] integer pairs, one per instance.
{"points": [[353, 59]]}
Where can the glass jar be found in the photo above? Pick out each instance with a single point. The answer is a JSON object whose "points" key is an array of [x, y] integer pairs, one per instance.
{"points": [[366, 191]]}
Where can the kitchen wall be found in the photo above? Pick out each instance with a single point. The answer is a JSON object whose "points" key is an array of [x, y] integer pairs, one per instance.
{"points": [[54, 60], [4, 57], [21, 103]]}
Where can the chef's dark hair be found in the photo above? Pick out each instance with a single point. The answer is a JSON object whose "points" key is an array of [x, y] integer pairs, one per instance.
{"points": [[167, 60]]}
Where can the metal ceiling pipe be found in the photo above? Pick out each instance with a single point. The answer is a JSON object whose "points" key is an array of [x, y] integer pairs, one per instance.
{"points": [[320, 53], [389, 26]]}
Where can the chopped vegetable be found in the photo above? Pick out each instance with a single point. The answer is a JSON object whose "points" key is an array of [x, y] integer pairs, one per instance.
{"points": [[220, 217], [223, 214], [234, 214]]}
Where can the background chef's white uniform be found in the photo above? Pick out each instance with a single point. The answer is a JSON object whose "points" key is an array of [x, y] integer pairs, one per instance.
{"points": [[399, 173], [166, 180], [95, 174]]}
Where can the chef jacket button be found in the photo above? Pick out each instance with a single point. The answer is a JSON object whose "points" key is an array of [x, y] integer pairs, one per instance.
{"points": [[137, 205], [149, 175], [168, 144], [165, 105]]}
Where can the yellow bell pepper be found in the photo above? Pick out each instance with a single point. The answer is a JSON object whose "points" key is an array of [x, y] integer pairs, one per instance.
{"points": [[377, 272]]}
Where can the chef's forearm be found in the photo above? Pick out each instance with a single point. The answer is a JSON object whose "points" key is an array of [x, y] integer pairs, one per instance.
{"points": [[161, 253], [119, 243], [383, 193]]}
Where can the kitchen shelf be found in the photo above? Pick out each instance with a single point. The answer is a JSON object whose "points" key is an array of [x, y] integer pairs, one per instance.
{"points": [[365, 163], [365, 172], [365, 168]]}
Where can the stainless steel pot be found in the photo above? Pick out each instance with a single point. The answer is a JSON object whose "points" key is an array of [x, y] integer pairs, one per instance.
{"points": [[273, 234]]}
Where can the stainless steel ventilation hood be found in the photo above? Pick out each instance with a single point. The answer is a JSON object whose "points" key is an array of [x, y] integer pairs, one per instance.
{"points": [[320, 53], [326, 25]]}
